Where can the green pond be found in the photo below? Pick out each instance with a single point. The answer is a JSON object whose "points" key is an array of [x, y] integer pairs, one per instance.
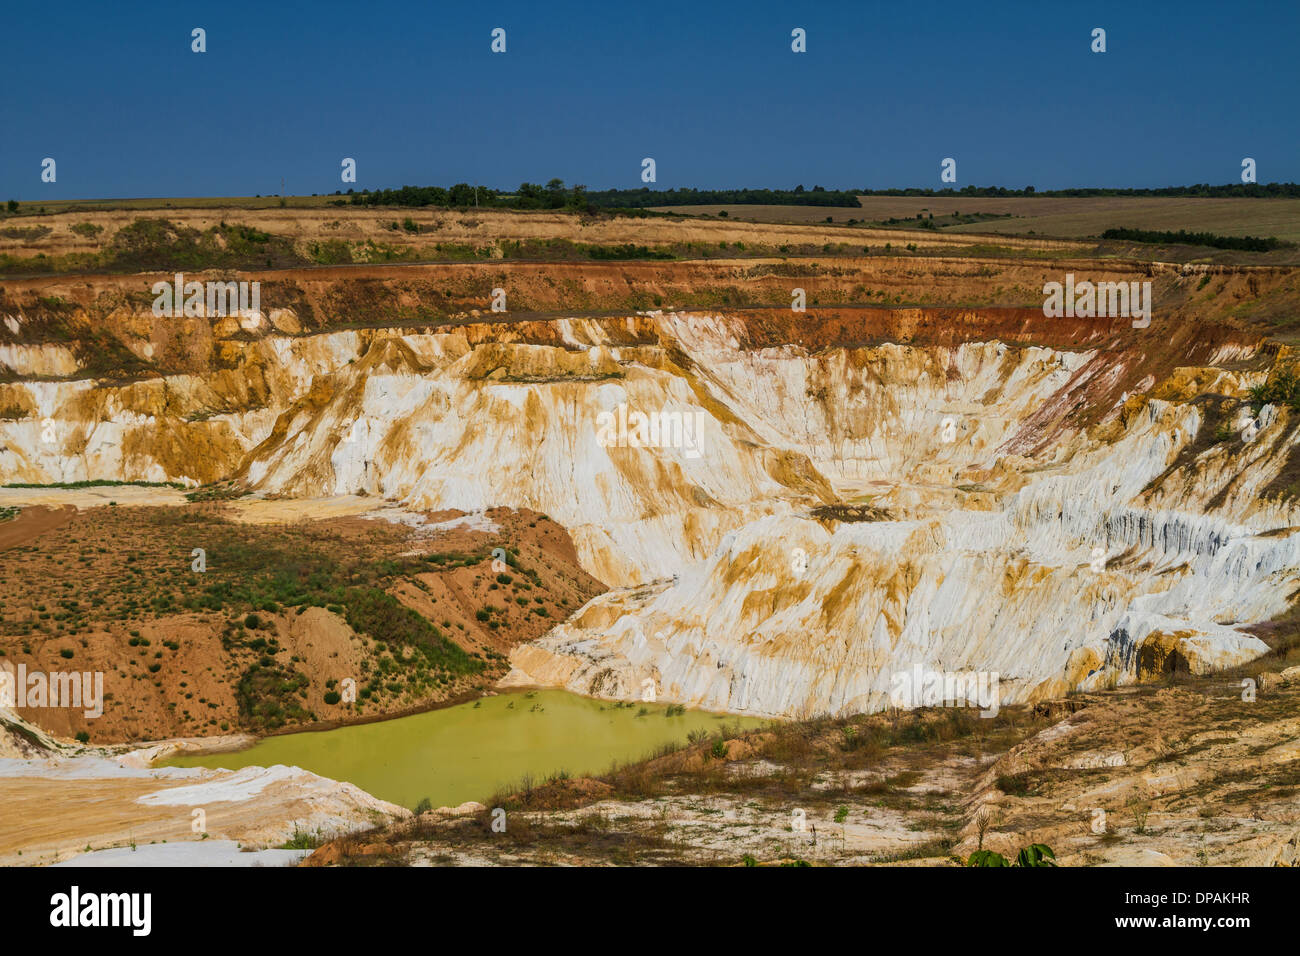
{"points": [[468, 751]]}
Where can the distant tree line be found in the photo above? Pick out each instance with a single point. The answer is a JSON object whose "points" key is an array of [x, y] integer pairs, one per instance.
{"points": [[556, 195], [640, 198], [462, 194], [1183, 237]]}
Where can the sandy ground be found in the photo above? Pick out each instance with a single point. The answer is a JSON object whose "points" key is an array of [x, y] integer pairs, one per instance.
{"points": [[30, 523], [46, 508], [124, 495], [280, 510], [219, 853], [58, 807]]}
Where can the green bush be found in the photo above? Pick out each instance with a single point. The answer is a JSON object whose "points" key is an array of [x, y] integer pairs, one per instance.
{"points": [[1034, 855], [1282, 389]]}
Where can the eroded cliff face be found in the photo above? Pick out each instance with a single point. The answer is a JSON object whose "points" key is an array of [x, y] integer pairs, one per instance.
{"points": [[1065, 505], [469, 417], [1068, 583]]}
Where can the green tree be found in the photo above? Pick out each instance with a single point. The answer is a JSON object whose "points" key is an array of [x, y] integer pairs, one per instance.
{"points": [[555, 194]]}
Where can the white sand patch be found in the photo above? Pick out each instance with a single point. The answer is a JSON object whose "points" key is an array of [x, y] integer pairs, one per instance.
{"points": [[475, 521], [90, 768], [191, 853], [239, 786]]}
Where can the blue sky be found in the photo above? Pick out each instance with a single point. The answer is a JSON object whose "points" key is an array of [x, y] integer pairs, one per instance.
{"points": [[712, 91]]}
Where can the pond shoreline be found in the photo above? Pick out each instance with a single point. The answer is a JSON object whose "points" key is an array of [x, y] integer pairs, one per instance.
{"points": [[233, 743], [467, 752]]}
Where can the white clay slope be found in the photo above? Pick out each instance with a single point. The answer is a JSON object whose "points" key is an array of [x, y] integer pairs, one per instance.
{"points": [[986, 565]]}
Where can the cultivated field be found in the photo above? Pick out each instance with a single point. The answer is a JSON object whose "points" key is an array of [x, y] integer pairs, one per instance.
{"points": [[1064, 217]]}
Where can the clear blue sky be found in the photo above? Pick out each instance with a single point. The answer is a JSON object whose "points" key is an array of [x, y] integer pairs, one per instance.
{"points": [[712, 91]]}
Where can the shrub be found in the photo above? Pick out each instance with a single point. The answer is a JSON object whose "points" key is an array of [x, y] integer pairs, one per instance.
{"points": [[1283, 389], [1035, 855], [302, 840]]}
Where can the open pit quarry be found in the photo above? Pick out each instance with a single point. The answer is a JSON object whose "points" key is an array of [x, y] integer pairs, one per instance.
{"points": [[919, 473], [1069, 503]]}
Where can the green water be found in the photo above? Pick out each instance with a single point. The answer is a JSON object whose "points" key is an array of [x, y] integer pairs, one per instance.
{"points": [[468, 751]]}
